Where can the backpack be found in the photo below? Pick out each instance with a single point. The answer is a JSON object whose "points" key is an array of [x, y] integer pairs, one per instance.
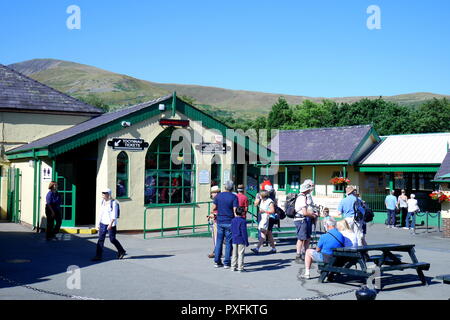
{"points": [[368, 217], [118, 207], [359, 211], [280, 213], [289, 206]]}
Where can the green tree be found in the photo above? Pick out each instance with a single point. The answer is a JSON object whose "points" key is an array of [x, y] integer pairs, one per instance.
{"points": [[280, 115], [433, 116]]}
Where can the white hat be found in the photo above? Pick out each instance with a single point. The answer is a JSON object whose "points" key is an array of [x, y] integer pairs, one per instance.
{"points": [[305, 186], [106, 190], [268, 187]]}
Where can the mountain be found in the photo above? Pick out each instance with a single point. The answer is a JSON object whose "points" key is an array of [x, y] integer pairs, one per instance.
{"points": [[119, 90]]}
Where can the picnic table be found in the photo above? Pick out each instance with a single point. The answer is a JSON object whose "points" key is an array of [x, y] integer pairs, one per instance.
{"points": [[343, 259]]}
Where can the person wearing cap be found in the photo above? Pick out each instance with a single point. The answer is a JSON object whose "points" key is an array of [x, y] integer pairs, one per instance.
{"points": [[108, 224], [212, 220], [242, 198], [302, 218], [226, 204], [346, 209]]}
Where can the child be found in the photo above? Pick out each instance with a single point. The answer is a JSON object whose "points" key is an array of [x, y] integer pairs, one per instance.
{"points": [[212, 220], [240, 239], [326, 216]]}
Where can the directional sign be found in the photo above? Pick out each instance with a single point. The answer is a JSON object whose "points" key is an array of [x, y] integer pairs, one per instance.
{"points": [[213, 148], [128, 144]]}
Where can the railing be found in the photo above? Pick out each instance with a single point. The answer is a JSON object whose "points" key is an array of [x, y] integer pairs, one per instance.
{"points": [[427, 215], [178, 227]]}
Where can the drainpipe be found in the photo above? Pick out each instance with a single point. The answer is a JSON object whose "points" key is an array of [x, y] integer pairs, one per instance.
{"points": [[174, 103], [314, 179]]}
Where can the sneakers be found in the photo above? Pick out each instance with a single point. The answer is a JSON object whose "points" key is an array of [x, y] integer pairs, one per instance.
{"points": [[273, 250], [233, 269], [242, 270], [226, 267], [305, 276], [255, 250], [120, 255], [298, 259], [405, 228], [218, 265]]}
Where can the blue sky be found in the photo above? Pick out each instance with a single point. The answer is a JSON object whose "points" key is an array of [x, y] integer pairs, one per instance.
{"points": [[319, 48]]}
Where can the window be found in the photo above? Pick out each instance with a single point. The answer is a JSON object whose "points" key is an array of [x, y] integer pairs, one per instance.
{"points": [[216, 170], [169, 177], [122, 175]]}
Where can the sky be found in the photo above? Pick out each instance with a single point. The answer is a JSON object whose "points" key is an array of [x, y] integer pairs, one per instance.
{"points": [[321, 48]]}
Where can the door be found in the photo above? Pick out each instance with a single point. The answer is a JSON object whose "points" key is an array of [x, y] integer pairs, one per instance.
{"points": [[67, 191], [14, 198]]}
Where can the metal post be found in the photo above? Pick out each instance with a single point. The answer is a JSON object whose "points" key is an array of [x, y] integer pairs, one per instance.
{"points": [[193, 218], [145, 221], [162, 222], [178, 221], [439, 218], [427, 220]]}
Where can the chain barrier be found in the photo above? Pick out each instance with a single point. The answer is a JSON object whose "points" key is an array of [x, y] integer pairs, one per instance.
{"points": [[326, 296], [15, 283]]}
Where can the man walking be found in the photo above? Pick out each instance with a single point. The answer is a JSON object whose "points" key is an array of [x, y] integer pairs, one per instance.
{"points": [[108, 224], [226, 204], [391, 206]]}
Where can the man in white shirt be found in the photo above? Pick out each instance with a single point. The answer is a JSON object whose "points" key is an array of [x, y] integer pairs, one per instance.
{"points": [[302, 219], [108, 222]]}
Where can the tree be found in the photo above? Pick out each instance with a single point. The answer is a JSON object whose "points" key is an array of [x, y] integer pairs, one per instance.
{"points": [[433, 116], [280, 115]]}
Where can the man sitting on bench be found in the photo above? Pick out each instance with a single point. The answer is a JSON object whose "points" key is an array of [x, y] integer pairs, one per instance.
{"points": [[328, 241]]}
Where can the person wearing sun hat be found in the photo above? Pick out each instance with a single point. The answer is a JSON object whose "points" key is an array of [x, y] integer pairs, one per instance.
{"points": [[302, 219]]}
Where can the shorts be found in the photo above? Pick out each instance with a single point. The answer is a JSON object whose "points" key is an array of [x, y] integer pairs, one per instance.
{"points": [[304, 229], [317, 256]]}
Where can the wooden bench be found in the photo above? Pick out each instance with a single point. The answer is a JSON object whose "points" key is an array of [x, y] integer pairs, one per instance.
{"points": [[343, 259]]}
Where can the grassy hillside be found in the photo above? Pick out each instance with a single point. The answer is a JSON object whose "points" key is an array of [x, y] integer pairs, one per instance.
{"points": [[119, 90]]}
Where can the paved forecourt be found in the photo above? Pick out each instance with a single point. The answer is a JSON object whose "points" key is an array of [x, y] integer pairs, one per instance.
{"points": [[178, 268]]}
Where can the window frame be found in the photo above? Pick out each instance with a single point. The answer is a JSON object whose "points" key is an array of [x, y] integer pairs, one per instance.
{"points": [[127, 174]]}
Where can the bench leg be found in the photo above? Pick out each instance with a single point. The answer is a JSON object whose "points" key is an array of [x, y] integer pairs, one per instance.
{"points": [[422, 277], [323, 275]]}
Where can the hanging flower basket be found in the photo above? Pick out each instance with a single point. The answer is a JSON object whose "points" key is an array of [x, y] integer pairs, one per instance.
{"points": [[339, 181], [440, 196]]}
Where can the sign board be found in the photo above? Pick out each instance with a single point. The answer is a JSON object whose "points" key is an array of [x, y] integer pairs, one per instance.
{"points": [[226, 175], [128, 144], [203, 177], [46, 174], [174, 123], [213, 148]]}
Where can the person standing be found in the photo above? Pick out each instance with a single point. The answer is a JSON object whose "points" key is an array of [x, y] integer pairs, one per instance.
{"points": [[347, 210], [302, 219], [240, 239], [402, 204], [242, 198], [391, 206], [108, 224], [53, 211], [266, 208], [226, 204], [413, 208], [212, 220]]}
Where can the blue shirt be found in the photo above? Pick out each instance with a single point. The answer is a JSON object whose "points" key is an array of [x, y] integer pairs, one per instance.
{"points": [[239, 231], [391, 202], [53, 199], [327, 242], [225, 202], [346, 206]]}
